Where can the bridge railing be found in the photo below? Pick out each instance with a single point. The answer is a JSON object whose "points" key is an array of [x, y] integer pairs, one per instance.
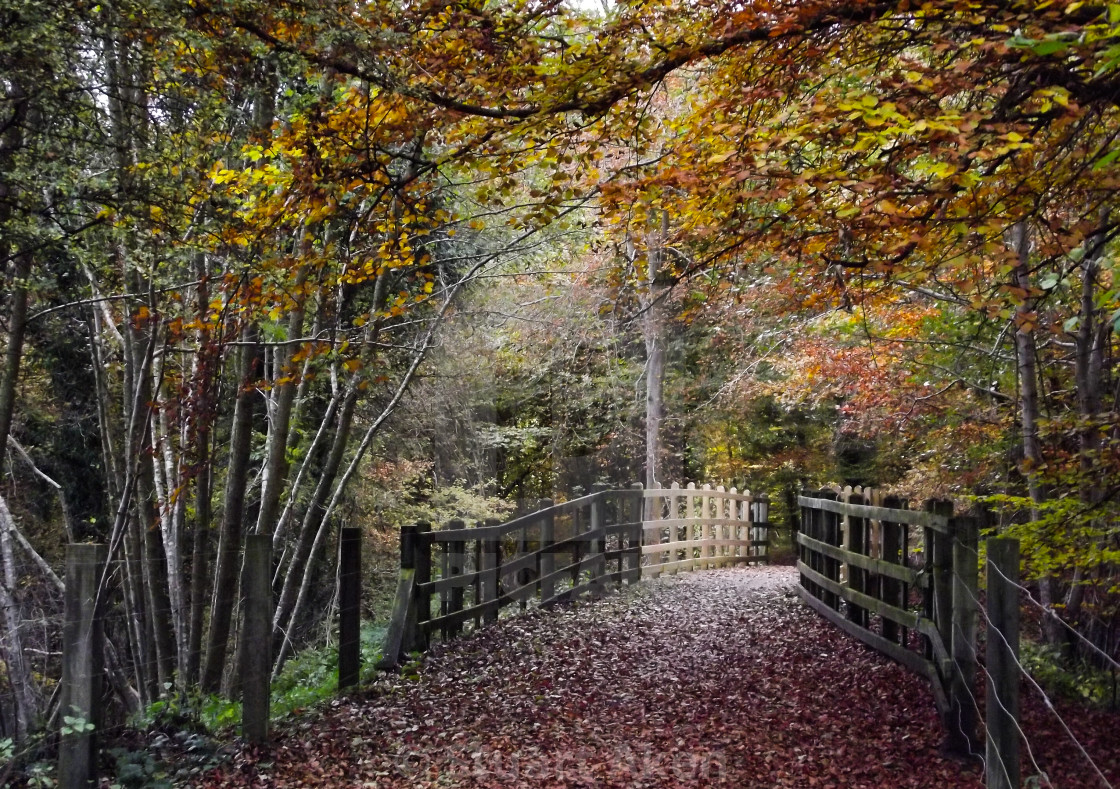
{"points": [[455, 576], [699, 528], [854, 557], [458, 575]]}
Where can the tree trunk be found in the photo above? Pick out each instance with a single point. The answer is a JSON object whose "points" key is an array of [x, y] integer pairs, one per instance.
{"points": [[312, 518], [1091, 341], [280, 405], [172, 513], [11, 140], [653, 330], [229, 545], [154, 562], [19, 673], [1026, 355], [197, 438]]}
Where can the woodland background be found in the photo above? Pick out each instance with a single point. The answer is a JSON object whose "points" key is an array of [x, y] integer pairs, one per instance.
{"points": [[275, 268]]}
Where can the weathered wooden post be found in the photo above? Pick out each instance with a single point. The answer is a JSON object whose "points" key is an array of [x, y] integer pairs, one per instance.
{"points": [[829, 528], [256, 631], [524, 575], [942, 562], [82, 654], [491, 564], [692, 531], [637, 533], [793, 514], [1002, 697], [349, 607], [672, 533], [456, 556], [478, 565], [961, 723], [422, 598], [547, 559], [804, 555], [652, 534], [596, 539], [894, 591], [762, 506], [398, 637], [707, 534], [857, 577]]}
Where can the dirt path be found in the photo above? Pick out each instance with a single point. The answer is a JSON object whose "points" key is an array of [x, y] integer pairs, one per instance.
{"points": [[719, 678]]}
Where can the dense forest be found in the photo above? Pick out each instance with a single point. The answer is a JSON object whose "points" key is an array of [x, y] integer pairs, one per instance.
{"points": [[276, 268]]}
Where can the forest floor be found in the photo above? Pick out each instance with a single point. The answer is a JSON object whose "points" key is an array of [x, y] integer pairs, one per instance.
{"points": [[721, 678]]}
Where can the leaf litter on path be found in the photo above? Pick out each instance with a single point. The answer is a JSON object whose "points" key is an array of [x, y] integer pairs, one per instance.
{"points": [[718, 678]]}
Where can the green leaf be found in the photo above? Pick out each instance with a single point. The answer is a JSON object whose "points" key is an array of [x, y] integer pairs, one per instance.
{"points": [[1106, 160], [1049, 46]]}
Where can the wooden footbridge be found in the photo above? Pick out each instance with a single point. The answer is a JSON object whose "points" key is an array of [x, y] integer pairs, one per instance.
{"points": [[458, 577], [855, 554]]}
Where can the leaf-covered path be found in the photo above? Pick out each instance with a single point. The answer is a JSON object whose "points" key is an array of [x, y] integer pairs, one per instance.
{"points": [[712, 679]]}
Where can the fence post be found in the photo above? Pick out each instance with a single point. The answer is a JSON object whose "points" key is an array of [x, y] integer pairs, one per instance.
{"points": [[961, 726], [829, 530], [490, 567], [410, 558], [691, 529], [349, 607], [942, 562], [651, 511], [793, 513], [398, 635], [857, 577], [799, 549], [524, 576], [763, 526], [82, 655], [1002, 698], [707, 550], [422, 598], [637, 533], [547, 559], [894, 552], [456, 558], [256, 660], [596, 537]]}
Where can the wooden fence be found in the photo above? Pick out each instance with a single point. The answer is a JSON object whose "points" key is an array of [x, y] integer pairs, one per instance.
{"points": [[698, 528], [456, 575], [853, 557]]}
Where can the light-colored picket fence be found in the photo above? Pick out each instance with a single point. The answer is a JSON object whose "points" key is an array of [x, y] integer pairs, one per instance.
{"points": [[694, 528]]}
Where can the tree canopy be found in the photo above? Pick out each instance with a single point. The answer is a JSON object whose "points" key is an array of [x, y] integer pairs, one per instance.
{"points": [[247, 245]]}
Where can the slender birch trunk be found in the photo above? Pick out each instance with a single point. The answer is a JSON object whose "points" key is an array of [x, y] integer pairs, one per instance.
{"points": [[19, 673], [653, 330]]}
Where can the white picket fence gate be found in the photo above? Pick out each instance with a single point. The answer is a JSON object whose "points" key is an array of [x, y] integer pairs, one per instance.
{"points": [[694, 528]]}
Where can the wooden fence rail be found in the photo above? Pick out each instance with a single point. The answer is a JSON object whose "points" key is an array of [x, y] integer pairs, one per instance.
{"points": [[853, 552], [457, 575], [699, 528]]}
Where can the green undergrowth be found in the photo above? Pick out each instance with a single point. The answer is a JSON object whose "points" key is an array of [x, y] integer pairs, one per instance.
{"points": [[1078, 681], [178, 738], [312, 675], [306, 679]]}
